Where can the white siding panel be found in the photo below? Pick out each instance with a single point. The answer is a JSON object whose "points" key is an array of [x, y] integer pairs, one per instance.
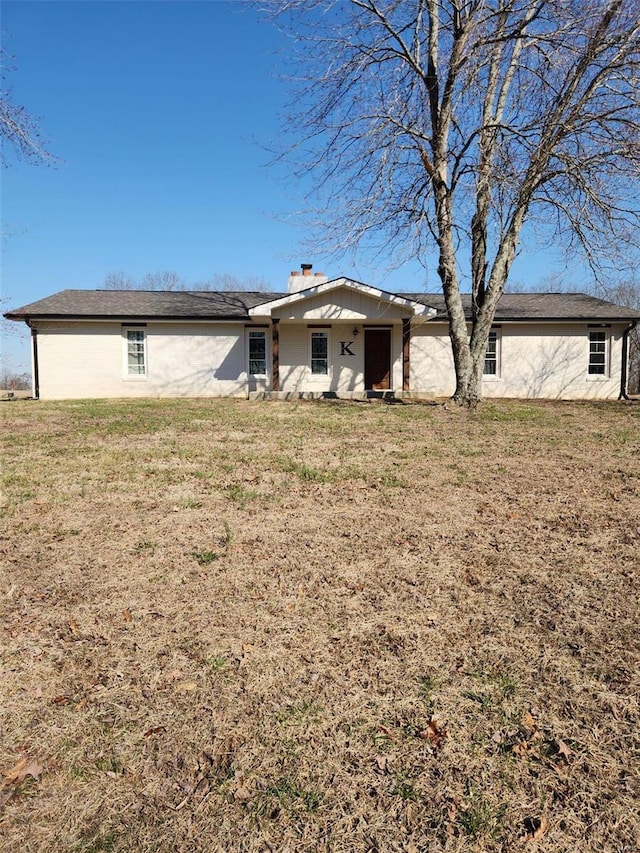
{"points": [[83, 360], [80, 360], [343, 304], [346, 372], [431, 361], [537, 360]]}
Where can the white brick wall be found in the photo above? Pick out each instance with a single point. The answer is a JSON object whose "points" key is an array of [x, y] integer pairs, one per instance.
{"points": [[346, 372], [79, 360], [82, 359], [547, 361]]}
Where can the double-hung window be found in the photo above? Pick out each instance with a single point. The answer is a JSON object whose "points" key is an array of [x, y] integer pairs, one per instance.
{"points": [[135, 353], [598, 352], [257, 353], [319, 353], [492, 355]]}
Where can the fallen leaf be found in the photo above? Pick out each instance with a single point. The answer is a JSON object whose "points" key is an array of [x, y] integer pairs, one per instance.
{"points": [[73, 627], [126, 615], [242, 792], [156, 730], [382, 763], [564, 750], [19, 772], [536, 828], [186, 687], [528, 721], [434, 732]]}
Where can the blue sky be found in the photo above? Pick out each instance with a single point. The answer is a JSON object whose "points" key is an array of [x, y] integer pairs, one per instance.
{"points": [[162, 114]]}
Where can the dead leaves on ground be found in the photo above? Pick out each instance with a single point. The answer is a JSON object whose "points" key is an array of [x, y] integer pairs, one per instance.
{"points": [[535, 828], [536, 744], [435, 733], [16, 775]]}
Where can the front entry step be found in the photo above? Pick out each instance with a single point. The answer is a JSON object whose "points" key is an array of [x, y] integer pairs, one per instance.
{"points": [[362, 396]]}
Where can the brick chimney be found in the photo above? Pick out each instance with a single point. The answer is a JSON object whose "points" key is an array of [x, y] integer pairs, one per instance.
{"points": [[301, 280]]}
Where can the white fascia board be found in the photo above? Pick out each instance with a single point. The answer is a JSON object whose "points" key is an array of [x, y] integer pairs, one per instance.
{"points": [[417, 309]]}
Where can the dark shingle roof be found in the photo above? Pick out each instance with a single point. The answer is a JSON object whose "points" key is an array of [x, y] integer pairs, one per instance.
{"points": [[538, 306], [234, 305], [139, 304]]}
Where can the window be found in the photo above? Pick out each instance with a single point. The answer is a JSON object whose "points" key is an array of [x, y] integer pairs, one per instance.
{"points": [[136, 356], [492, 355], [258, 353], [598, 353], [319, 353]]}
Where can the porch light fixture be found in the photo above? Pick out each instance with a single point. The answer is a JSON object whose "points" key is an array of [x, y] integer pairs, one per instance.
{"points": [[355, 332]]}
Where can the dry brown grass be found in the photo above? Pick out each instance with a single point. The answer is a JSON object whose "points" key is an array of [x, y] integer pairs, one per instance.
{"points": [[334, 627]]}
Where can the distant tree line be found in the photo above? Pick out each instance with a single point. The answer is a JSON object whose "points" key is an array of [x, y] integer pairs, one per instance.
{"points": [[170, 280], [627, 293], [11, 380]]}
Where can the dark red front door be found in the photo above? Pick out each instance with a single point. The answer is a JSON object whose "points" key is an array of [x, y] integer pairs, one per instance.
{"points": [[377, 359]]}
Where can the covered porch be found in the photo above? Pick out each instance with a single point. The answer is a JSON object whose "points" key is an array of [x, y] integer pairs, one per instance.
{"points": [[339, 337]]}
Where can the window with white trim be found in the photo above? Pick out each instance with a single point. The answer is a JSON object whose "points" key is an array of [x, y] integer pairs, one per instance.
{"points": [[492, 355], [598, 352], [136, 353], [257, 353], [319, 353]]}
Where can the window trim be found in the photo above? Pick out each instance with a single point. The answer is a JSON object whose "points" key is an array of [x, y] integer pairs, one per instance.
{"points": [[262, 331], [604, 330], [135, 377], [496, 331], [324, 331]]}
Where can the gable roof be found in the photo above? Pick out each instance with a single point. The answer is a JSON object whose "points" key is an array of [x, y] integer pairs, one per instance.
{"points": [[411, 304], [238, 305]]}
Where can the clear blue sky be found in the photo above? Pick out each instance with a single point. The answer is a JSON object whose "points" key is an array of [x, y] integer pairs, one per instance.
{"points": [[161, 114]]}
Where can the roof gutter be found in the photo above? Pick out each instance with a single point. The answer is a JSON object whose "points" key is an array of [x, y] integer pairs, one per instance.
{"points": [[34, 356], [625, 359]]}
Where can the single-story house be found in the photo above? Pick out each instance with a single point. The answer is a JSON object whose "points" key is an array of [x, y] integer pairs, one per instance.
{"points": [[320, 337]]}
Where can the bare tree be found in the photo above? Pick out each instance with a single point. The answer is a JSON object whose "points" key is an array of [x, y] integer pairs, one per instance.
{"points": [[163, 280], [119, 281], [626, 292], [228, 282], [17, 127], [168, 280], [449, 124]]}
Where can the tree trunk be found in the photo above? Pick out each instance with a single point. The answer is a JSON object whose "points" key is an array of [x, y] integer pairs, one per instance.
{"points": [[468, 391]]}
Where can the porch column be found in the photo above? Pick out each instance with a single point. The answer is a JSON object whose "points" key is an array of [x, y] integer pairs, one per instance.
{"points": [[275, 355], [406, 353]]}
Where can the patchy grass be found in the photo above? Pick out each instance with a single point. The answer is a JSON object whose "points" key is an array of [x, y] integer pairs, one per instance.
{"points": [[319, 627]]}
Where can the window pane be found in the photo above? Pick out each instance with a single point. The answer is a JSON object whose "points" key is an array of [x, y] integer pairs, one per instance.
{"points": [[257, 353], [319, 345], [135, 353], [319, 353], [597, 353], [491, 356]]}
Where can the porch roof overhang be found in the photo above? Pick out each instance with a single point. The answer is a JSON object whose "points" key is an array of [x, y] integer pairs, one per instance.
{"points": [[411, 305]]}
